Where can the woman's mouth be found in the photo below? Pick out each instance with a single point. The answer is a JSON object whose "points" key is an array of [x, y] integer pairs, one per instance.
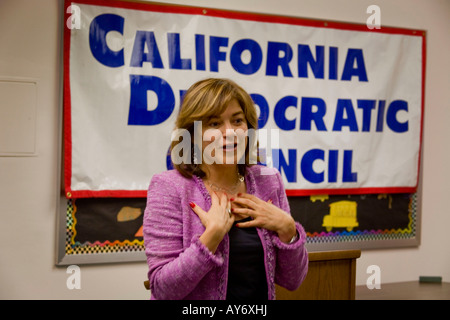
{"points": [[230, 147]]}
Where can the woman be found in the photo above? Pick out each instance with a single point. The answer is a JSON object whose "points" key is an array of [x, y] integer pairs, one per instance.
{"points": [[217, 227]]}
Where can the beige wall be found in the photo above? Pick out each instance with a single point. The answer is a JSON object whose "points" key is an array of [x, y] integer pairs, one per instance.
{"points": [[29, 48]]}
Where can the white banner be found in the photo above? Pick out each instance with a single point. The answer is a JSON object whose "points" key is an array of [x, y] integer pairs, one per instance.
{"points": [[340, 105]]}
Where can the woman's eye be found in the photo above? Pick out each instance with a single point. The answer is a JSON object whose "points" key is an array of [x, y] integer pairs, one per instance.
{"points": [[213, 124]]}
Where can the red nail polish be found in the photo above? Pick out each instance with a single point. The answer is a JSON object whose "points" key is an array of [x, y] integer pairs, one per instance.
{"points": [[231, 199], [239, 194], [192, 204]]}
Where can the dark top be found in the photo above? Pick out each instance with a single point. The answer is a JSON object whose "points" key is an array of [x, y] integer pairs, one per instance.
{"points": [[247, 274]]}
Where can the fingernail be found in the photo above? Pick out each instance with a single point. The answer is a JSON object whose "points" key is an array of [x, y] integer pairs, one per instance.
{"points": [[269, 201], [232, 209], [239, 194], [231, 199], [192, 204]]}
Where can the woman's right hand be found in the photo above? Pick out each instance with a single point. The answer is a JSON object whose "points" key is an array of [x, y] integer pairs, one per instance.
{"points": [[217, 221]]}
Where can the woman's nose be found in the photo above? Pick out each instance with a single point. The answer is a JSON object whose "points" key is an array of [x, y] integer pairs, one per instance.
{"points": [[227, 127], [228, 134]]}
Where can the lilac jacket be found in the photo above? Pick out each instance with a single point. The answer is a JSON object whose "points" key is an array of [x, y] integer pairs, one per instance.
{"points": [[181, 267]]}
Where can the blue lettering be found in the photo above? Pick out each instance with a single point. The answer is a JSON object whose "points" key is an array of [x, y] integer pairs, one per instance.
{"points": [[274, 60], [347, 174], [139, 113], [354, 55], [345, 106], [280, 163], [200, 52], [256, 56], [169, 163], [305, 57], [215, 55], [289, 168], [380, 115], [175, 60], [138, 56], [332, 165], [99, 28], [391, 116], [333, 66], [307, 162], [367, 106], [264, 110], [280, 110], [182, 93], [308, 116]]}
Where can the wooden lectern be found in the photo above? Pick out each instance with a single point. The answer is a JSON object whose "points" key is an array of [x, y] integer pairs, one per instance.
{"points": [[331, 276]]}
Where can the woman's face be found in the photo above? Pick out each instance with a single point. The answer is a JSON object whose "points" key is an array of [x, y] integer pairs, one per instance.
{"points": [[224, 136]]}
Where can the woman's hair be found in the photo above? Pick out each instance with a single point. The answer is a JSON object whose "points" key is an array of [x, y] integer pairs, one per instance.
{"points": [[203, 100]]}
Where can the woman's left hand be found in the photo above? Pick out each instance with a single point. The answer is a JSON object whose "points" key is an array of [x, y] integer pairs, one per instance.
{"points": [[265, 215]]}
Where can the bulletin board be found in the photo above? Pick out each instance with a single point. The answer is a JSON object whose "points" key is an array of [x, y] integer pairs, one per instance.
{"points": [[98, 230], [339, 210], [110, 229]]}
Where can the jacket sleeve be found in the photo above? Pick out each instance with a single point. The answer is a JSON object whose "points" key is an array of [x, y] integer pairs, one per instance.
{"points": [[174, 270], [292, 259]]}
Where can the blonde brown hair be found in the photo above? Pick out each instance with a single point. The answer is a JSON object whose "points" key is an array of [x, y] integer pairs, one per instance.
{"points": [[205, 99]]}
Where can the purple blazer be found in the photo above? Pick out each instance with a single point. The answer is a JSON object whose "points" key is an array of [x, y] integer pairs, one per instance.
{"points": [[181, 267]]}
